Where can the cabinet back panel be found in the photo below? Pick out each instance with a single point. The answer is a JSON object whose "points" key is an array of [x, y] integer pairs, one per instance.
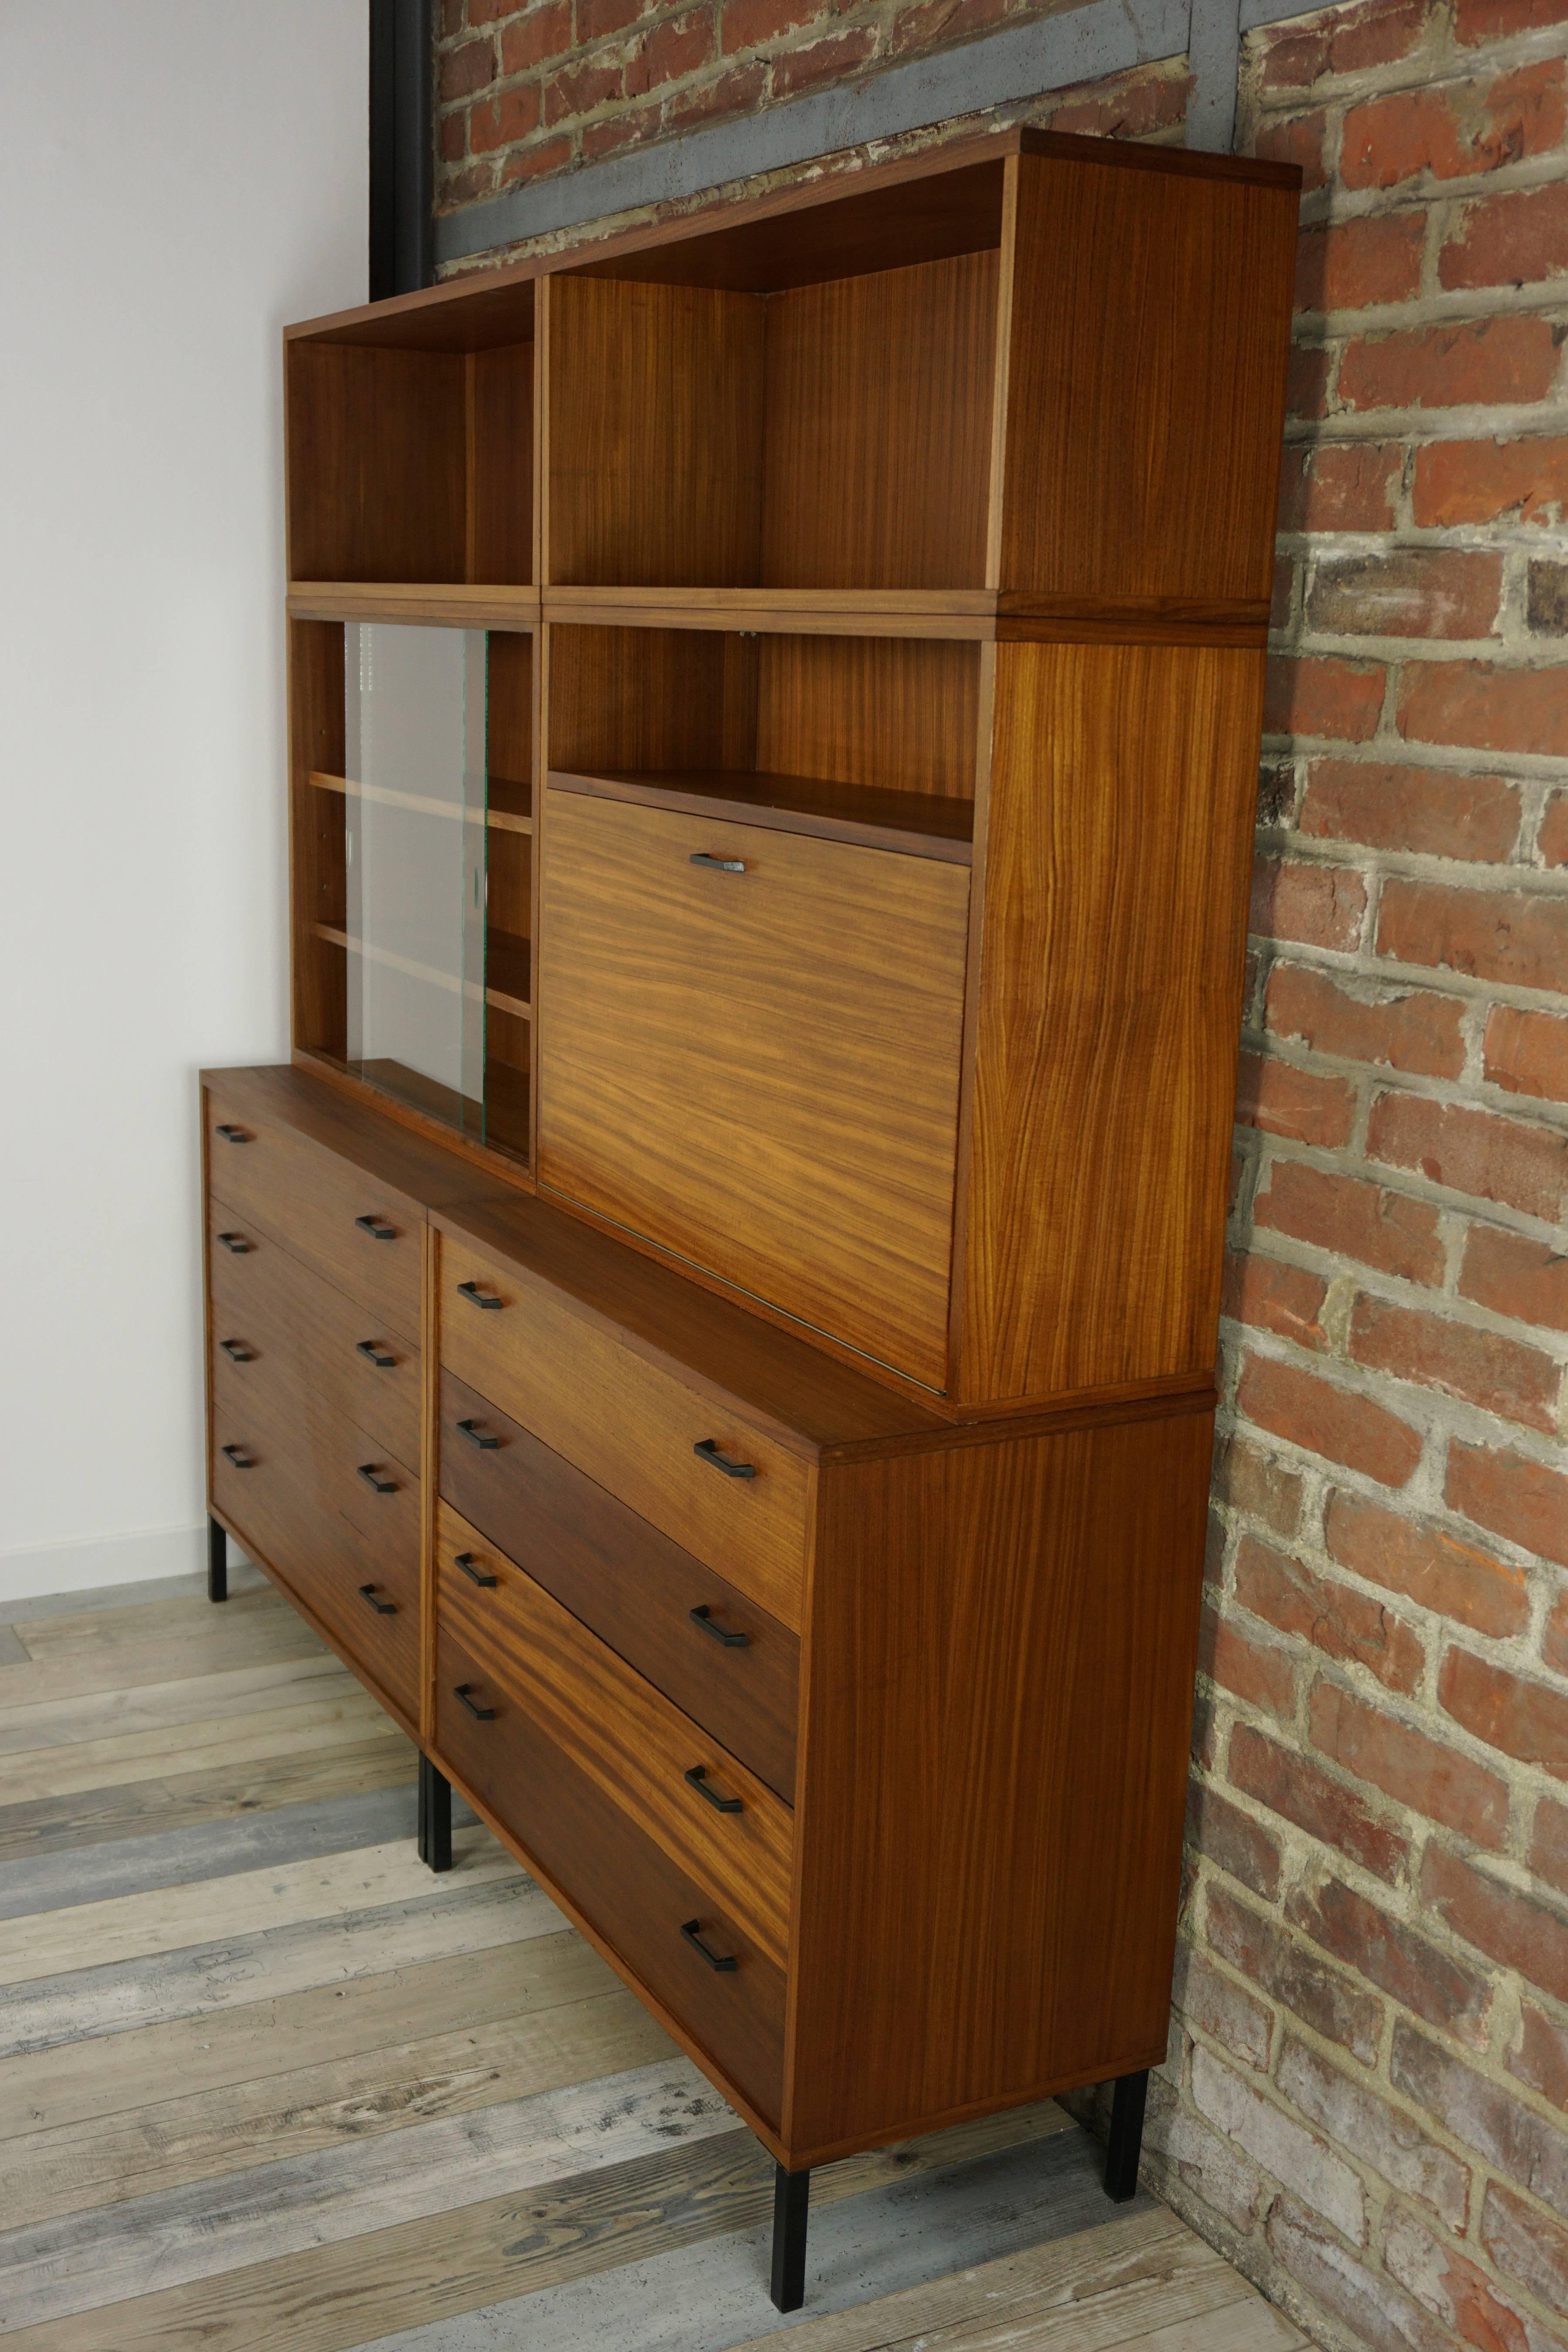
{"points": [[655, 699], [898, 712], [377, 443], [878, 428], [500, 396], [1122, 788], [317, 886], [655, 437], [510, 730]]}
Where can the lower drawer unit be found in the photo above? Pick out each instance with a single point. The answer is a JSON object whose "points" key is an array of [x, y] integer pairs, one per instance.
{"points": [[704, 1965]]}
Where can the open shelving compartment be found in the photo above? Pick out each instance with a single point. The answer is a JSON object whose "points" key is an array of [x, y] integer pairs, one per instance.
{"points": [[413, 760]]}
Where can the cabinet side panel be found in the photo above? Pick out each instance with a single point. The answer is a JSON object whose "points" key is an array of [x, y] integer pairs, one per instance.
{"points": [[1001, 1651], [1123, 784], [1144, 434]]}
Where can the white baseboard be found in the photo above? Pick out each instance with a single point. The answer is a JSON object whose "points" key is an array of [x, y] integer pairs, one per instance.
{"points": [[102, 1561]]}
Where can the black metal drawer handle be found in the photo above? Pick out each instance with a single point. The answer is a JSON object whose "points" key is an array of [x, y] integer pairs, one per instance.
{"points": [[238, 1456], [234, 1135], [703, 1615], [465, 1560], [235, 1244], [382, 1608], [697, 1778], [476, 1296], [377, 1228], [484, 1713], [723, 1962], [719, 864], [707, 1449], [485, 1439], [372, 1477], [236, 1351], [374, 1353]]}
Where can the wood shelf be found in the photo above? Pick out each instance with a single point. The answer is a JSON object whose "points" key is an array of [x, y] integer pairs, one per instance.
{"points": [[444, 603], [917, 824], [506, 956], [807, 612], [499, 819]]}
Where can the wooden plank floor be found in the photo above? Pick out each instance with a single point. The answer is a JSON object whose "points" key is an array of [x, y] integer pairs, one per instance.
{"points": [[268, 2085]]}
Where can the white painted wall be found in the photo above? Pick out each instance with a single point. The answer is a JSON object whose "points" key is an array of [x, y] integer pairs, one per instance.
{"points": [[177, 179]]}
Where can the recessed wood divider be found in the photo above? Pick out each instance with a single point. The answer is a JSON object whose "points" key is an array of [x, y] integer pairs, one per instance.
{"points": [[774, 721]]}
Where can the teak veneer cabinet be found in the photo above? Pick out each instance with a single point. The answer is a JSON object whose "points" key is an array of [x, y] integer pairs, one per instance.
{"points": [[716, 1326]]}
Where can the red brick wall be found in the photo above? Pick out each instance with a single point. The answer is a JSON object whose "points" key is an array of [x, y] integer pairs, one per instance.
{"points": [[1367, 2094]]}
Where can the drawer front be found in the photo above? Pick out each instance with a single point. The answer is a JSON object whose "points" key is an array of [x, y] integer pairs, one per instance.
{"points": [[364, 1237], [759, 1069], [733, 1669], [268, 1308], [719, 1824], [292, 1485], [624, 1883], [630, 1426]]}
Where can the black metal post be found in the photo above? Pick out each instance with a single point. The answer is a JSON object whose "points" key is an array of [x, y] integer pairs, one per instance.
{"points": [[402, 148], [435, 1816], [1126, 2137], [791, 2197], [217, 1563]]}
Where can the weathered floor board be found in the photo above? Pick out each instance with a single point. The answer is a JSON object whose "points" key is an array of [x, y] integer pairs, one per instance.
{"points": [[267, 2086]]}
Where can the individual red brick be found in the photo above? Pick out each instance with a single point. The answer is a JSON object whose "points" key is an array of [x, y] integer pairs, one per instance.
{"points": [[678, 47], [578, 90], [1341, 485], [454, 135], [545, 33], [1481, 1368], [1253, 1671], [939, 22], [500, 121], [1508, 1926], [536, 163], [1483, 2116], [1485, 707], [739, 91], [1232, 1840], [1306, 380], [1336, 1619], [1349, 265], [1517, 1498], [1317, 905], [1527, 1052], [1132, 105], [1299, 140], [1372, 34], [1454, 130], [1524, 1168], [1234, 2017], [746, 24], [1352, 1218], [1433, 1779], [1369, 2308], [466, 186], [1338, 1424], [486, 12], [1280, 1099], [1284, 591], [1290, 1785], [1490, 481], [1414, 1030], [1383, 2136], [1493, 20], [1553, 838], [1414, 591], [1517, 938], [1434, 1569], [1513, 240], [1429, 810], [1253, 1482], [623, 129], [451, 23], [1524, 1719], [466, 68], [1319, 694], [1448, 2284], [1540, 2055], [1406, 1965], [1500, 362], [832, 59], [1513, 1276], [597, 20], [1526, 2245], [1337, 2006], [1272, 1296]]}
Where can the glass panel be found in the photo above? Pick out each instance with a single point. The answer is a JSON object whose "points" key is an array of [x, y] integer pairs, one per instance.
{"points": [[415, 730]]}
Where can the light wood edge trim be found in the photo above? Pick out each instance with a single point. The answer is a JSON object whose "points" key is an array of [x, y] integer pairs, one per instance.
{"points": [[202, 1096], [1002, 378], [803, 1761], [418, 803], [610, 611], [767, 2132], [539, 667], [429, 1475], [974, 945], [1166, 1400], [440, 603], [806, 824], [390, 961], [541, 407]]}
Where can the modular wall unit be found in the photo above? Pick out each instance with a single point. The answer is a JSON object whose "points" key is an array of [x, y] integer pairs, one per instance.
{"points": [[774, 706]]}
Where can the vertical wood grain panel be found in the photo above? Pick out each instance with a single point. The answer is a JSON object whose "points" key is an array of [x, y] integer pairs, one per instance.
{"points": [[500, 494], [652, 698], [1118, 848], [898, 712], [317, 872], [377, 443]]}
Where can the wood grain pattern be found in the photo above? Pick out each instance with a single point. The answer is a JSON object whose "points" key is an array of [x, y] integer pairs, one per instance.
{"points": [[630, 1425], [1145, 462], [1122, 803], [498, 393], [893, 713], [525, 1507], [452, 604], [376, 446], [317, 873], [878, 440], [675, 1094], [914, 824], [1002, 1646], [628, 1739], [651, 698]]}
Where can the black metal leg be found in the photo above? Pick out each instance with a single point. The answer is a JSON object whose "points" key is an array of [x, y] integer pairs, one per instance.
{"points": [[435, 1816], [791, 2195], [1126, 2137], [217, 1563]]}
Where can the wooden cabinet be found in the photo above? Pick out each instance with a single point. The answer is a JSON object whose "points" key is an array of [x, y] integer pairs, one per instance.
{"points": [[717, 1324]]}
